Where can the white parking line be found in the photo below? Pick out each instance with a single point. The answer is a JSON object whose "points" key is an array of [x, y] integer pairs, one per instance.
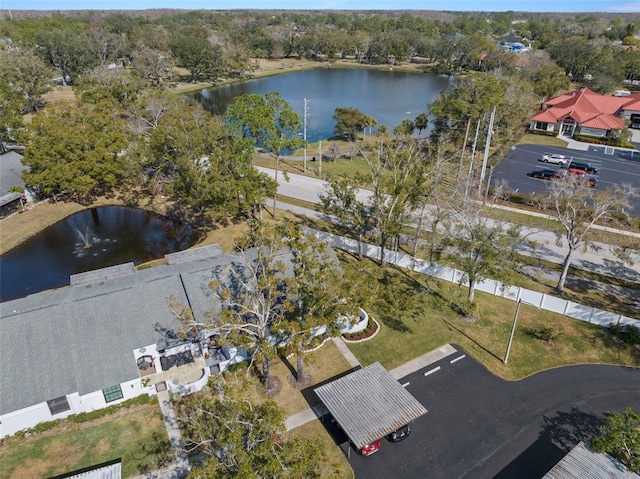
{"points": [[458, 358], [405, 384], [434, 370]]}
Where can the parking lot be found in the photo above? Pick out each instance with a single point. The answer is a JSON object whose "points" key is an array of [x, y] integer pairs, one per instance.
{"points": [[618, 168], [479, 426]]}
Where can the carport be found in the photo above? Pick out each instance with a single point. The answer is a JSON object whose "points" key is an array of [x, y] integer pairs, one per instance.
{"points": [[369, 403]]}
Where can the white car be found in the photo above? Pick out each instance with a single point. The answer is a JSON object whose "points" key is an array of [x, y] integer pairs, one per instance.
{"points": [[554, 159]]}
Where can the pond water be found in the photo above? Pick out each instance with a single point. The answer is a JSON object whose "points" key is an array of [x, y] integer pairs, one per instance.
{"points": [[388, 96], [88, 240]]}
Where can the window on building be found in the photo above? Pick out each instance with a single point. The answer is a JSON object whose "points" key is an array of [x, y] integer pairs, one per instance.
{"points": [[113, 393], [58, 405]]}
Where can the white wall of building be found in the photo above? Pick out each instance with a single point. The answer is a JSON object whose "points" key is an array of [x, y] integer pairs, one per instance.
{"points": [[29, 417]]}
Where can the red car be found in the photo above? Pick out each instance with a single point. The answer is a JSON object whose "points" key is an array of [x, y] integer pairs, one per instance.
{"points": [[583, 175], [369, 449]]}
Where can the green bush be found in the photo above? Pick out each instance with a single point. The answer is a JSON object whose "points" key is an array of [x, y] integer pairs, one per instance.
{"points": [[603, 140], [365, 333], [85, 416], [627, 333], [98, 413], [542, 132], [466, 308], [238, 366], [543, 333]]}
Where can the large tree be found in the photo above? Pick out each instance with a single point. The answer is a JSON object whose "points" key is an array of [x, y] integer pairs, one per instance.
{"points": [[620, 437], [322, 294], [68, 52], [204, 167], [236, 437], [268, 122], [341, 199], [77, 149], [195, 52], [396, 171], [577, 207], [351, 121], [550, 80], [480, 246], [27, 75]]}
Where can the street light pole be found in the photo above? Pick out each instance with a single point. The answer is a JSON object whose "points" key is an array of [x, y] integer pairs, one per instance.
{"points": [[513, 330]]}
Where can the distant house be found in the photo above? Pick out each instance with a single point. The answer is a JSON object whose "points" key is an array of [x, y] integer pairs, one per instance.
{"points": [[514, 43], [586, 112]]}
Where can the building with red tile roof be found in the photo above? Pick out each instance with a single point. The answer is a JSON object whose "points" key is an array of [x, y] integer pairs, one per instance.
{"points": [[586, 112]]}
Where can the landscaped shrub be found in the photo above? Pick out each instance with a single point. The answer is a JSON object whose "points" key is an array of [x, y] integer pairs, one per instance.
{"points": [[238, 366], [542, 132], [543, 333], [371, 328], [603, 140], [627, 333], [98, 413], [86, 416]]}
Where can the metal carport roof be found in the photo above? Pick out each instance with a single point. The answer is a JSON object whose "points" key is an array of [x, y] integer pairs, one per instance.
{"points": [[369, 404]]}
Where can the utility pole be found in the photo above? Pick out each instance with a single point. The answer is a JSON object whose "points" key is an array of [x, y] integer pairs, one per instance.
{"points": [[464, 147], [320, 156], [473, 155], [304, 137], [486, 151]]}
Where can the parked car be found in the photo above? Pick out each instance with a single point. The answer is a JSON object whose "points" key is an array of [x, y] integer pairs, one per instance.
{"points": [[369, 449], [582, 175], [400, 434], [555, 159], [544, 174], [586, 167]]}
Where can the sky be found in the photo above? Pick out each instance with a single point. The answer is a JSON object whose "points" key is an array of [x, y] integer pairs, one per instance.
{"points": [[614, 6]]}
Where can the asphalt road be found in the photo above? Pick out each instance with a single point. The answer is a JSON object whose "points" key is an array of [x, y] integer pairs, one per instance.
{"points": [[541, 244], [479, 426], [523, 159]]}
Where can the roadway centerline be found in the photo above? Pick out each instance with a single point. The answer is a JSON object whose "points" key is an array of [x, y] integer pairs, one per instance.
{"points": [[458, 358]]}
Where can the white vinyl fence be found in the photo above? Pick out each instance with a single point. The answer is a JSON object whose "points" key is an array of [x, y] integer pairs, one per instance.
{"points": [[540, 300]]}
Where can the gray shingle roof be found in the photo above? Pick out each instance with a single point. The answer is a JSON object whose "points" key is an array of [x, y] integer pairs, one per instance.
{"points": [[11, 170], [81, 338], [369, 404], [581, 463]]}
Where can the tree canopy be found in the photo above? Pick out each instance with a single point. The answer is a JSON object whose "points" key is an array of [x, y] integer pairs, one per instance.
{"points": [[78, 149], [239, 438], [351, 121], [620, 437]]}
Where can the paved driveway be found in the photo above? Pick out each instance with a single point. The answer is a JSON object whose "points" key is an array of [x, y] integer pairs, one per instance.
{"points": [[618, 168], [479, 426]]}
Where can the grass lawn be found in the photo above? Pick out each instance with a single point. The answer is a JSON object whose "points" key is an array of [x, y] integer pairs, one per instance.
{"points": [[416, 316], [335, 465], [530, 139], [137, 435], [320, 365]]}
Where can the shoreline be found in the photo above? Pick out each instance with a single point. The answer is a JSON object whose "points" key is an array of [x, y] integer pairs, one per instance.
{"points": [[290, 65]]}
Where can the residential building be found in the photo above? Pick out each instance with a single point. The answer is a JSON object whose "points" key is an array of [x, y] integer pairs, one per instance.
{"points": [[586, 112]]}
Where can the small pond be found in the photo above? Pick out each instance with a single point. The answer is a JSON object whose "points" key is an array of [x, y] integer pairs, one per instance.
{"points": [[88, 240]]}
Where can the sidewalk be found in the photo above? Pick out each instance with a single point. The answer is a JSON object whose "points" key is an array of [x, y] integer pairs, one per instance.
{"points": [[180, 468], [407, 368]]}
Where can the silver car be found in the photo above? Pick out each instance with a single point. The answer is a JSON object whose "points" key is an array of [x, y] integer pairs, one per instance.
{"points": [[554, 159]]}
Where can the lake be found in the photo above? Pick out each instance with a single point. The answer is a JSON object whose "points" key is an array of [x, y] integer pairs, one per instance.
{"points": [[388, 96]]}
